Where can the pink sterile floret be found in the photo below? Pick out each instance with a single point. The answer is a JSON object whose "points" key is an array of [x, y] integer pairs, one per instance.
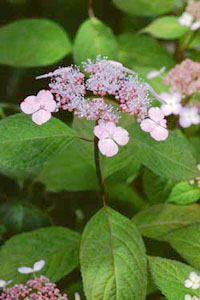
{"points": [[156, 124], [172, 103], [109, 136], [189, 116], [40, 106]]}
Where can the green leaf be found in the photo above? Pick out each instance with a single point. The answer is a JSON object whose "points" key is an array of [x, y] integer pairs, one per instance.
{"points": [[186, 241], [25, 146], [143, 51], [166, 28], [33, 43], [170, 159], [94, 38], [159, 220], [184, 193], [58, 246], [169, 276], [195, 43], [146, 7], [71, 169], [113, 261], [156, 188], [195, 141]]}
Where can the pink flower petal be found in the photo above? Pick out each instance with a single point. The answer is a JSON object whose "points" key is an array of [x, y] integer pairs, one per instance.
{"points": [[184, 122], [147, 125], [101, 132], [38, 265], [25, 270], [108, 147], [41, 116], [45, 98], [167, 109], [121, 136], [110, 127], [163, 123], [159, 133], [156, 114], [177, 109], [29, 105], [177, 97]]}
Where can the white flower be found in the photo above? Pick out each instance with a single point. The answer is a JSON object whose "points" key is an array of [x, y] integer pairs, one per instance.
{"points": [[155, 73], [173, 105], [77, 296], [195, 26], [188, 297], [189, 116], [36, 268], [186, 19], [193, 281], [4, 283]]}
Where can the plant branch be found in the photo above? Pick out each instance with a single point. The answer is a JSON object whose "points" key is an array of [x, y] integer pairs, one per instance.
{"points": [[86, 139], [90, 9], [98, 171]]}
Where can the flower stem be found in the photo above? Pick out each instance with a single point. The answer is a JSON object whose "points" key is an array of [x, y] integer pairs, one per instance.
{"points": [[90, 9], [98, 171]]}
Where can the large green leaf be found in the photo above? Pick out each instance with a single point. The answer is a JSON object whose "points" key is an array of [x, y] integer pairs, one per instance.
{"points": [[184, 193], [166, 28], [94, 38], [58, 246], [25, 146], [159, 220], [71, 170], [156, 188], [113, 261], [142, 50], [169, 276], [170, 159], [32, 43], [186, 241], [147, 7]]}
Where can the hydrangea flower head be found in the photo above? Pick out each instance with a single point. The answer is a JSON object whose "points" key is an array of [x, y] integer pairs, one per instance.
{"points": [[189, 116], [156, 124], [72, 92], [36, 289], [193, 8], [110, 136], [40, 106], [184, 78], [172, 103]]}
